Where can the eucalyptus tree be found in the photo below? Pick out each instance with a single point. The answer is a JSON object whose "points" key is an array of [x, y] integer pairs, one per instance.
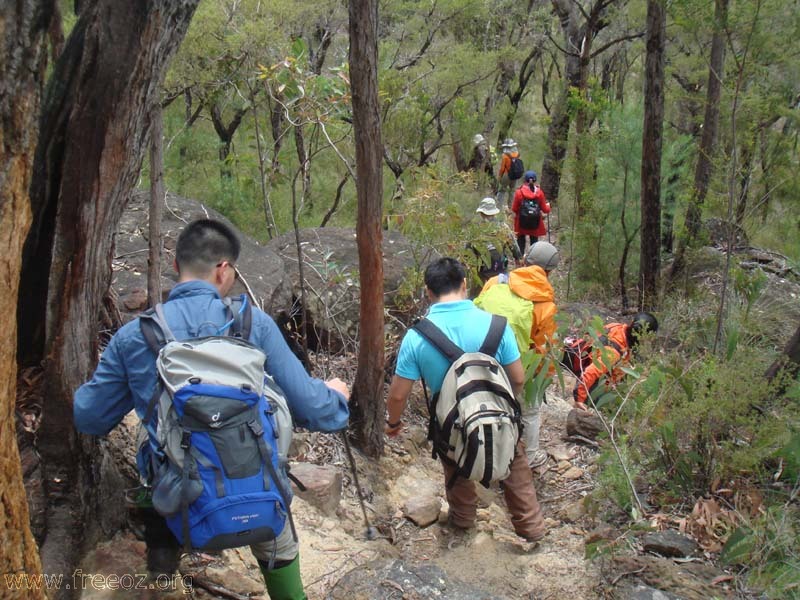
{"points": [[363, 59], [23, 59], [95, 126], [652, 137], [708, 138], [582, 23]]}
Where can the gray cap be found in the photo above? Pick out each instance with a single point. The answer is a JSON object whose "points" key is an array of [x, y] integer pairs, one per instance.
{"points": [[478, 139], [488, 207], [543, 254]]}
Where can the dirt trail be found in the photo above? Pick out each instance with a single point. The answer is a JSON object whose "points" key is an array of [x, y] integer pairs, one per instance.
{"points": [[491, 557]]}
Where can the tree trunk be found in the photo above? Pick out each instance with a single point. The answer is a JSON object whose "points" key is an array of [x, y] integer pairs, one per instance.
{"points": [[225, 134], [156, 205], [788, 362], [305, 164], [708, 138], [526, 71], [23, 58], [558, 131], [652, 135], [368, 387], [583, 423], [94, 130], [745, 177]]}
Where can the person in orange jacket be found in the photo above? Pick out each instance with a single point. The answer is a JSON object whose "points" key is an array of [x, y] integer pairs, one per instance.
{"points": [[531, 283], [522, 226], [619, 340], [511, 170]]}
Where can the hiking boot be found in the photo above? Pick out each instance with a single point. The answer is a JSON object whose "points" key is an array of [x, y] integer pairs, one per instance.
{"points": [[460, 527], [537, 458], [534, 539]]}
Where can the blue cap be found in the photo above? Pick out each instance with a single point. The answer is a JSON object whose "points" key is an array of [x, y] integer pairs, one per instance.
{"points": [[530, 175]]}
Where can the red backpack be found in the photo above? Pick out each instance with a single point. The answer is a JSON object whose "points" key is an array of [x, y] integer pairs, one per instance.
{"points": [[578, 353]]}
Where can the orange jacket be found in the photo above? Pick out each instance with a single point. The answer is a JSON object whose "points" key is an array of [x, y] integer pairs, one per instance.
{"points": [[593, 375], [505, 162], [532, 284]]}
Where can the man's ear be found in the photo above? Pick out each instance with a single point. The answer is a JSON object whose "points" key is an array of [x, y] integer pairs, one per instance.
{"points": [[175, 266], [429, 294]]}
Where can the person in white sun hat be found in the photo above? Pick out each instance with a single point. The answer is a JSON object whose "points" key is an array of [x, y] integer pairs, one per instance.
{"points": [[500, 235]]}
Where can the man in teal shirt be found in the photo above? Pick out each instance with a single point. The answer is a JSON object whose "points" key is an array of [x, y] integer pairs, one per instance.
{"points": [[466, 326]]}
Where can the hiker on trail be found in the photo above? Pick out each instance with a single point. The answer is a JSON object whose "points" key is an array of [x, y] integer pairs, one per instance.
{"points": [[499, 231], [457, 326], [526, 298], [511, 171], [529, 208], [126, 378], [481, 160], [618, 340]]}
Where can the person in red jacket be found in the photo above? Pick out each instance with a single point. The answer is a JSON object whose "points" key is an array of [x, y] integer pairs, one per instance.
{"points": [[525, 223], [618, 339]]}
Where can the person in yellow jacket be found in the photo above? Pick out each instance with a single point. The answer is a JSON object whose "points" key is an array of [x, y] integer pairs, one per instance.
{"points": [[526, 298]]}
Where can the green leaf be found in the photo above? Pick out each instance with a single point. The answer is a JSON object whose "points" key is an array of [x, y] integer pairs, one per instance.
{"points": [[632, 372], [739, 547], [299, 48], [606, 398]]}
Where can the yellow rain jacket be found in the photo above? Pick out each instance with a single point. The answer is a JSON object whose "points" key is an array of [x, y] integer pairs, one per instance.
{"points": [[529, 284]]}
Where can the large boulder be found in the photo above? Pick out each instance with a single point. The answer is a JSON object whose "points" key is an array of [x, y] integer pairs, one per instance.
{"points": [[330, 275], [262, 271]]}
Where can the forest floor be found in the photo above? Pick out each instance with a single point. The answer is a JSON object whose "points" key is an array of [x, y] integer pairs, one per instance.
{"points": [[490, 558]]}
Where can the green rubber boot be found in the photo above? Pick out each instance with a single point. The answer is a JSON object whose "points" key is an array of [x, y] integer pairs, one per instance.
{"points": [[284, 583]]}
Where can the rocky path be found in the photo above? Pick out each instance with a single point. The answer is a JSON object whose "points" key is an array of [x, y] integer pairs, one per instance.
{"points": [[406, 561]]}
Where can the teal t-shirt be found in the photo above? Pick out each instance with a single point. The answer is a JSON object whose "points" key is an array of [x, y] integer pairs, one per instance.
{"points": [[462, 322]]}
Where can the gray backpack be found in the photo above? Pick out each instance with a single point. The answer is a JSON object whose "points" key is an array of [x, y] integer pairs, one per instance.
{"points": [[474, 419], [223, 430]]}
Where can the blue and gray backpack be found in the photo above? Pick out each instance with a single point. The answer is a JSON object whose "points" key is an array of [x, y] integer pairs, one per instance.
{"points": [[222, 430]]}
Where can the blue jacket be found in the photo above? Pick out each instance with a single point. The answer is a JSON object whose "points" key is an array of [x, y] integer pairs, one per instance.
{"points": [[126, 376]]}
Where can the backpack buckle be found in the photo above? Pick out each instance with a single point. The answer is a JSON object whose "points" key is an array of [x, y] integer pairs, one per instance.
{"points": [[256, 428], [186, 438]]}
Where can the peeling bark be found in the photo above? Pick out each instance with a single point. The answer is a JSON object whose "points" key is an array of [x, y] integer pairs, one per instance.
{"points": [[94, 131], [23, 58]]}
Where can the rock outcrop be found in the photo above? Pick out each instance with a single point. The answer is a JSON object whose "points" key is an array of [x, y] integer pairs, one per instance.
{"points": [[262, 271]]}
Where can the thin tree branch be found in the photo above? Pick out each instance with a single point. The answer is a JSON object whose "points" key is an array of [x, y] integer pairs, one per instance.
{"points": [[608, 45]]}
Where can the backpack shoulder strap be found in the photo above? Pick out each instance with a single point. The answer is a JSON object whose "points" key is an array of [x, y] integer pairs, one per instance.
{"points": [[241, 314], [606, 341], [155, 329], [494, 336], [438, 340]]}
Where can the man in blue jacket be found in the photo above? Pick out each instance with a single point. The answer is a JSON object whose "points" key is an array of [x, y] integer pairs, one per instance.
{"points": [[126, 379]]}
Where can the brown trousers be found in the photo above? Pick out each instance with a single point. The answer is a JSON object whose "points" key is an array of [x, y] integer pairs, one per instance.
{"points": [[520, 495]]}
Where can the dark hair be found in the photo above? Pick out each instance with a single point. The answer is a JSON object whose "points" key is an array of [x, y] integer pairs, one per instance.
{"points": [[203, 244], [444, 275], [641, 323]]}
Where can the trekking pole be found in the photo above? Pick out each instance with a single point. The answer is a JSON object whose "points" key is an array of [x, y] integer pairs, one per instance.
{"points": [[548, 227], [371, 532]]}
